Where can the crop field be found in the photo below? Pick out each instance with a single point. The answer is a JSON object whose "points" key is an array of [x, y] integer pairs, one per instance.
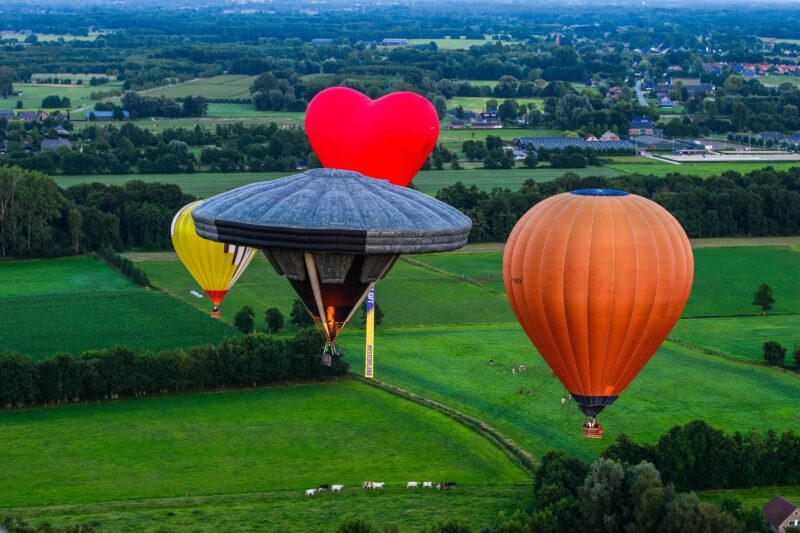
{"points": [[741, 337], [776, 80], [726, 278], [226, 86], [752, 497], [33, 94], [702, 170], [411, 296], [289, 511], [438, 341], [455, 43], [221, 447], [77, 304], [204, 185], [247, 110], [478, 103]]}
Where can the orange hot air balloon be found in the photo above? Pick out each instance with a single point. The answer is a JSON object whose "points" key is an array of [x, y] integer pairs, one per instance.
{"points": [[597, 278]]}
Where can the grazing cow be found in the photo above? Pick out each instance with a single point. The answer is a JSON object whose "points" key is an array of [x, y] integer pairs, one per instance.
{"points": [[522, 368], [324, 487], [311, 492], [491, 361], [445, 485], [377, 485], [513, 370], [337, 488], [366, 485], [427, 484], [412, 485]]}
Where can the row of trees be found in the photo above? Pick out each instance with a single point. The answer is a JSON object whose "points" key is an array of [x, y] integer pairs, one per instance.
{"points": [[121, 150], [37, 219], [250, 361], [140, 106], [762, 202], [699, 457]]}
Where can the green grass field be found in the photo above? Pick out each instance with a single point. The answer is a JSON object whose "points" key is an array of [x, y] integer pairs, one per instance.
{"points": [[208, 184], [410, 296], [264, 440], [455, 43], [478, 103], [33, 94], [726, 278], [741, 337], [247, 110], [702, 170], [776, 80], [450, 364], [753, 497], [226, 86], [410, 510], [76, 304]]}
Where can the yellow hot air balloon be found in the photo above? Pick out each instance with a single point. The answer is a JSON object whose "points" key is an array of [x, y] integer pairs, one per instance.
{"points": [[214, 266]]}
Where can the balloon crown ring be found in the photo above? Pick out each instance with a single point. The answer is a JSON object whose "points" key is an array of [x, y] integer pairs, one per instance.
{"points": [[599, 192]]}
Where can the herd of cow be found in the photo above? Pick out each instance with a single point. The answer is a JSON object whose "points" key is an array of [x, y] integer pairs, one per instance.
{"points": [[377, 485]]}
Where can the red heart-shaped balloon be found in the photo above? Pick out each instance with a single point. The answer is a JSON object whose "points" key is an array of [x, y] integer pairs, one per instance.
{"points": [[388, 138]]}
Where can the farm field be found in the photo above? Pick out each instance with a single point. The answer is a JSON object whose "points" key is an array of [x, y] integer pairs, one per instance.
{"points": [[478, 103], [741, 337], [702, 170], [437, 342], [247, 110], [776, 80], [411, 296], [76, 304], [752, 497], [449, 364], [85, 77], [726, 278], [33, 94], [226, 86], [289, 511], [428, 181], [455, 43], [240, 442]]}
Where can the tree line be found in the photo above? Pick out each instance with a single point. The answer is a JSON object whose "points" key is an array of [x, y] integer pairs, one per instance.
{"points": [[38, 219], [251, 361], [759, 203], [699, 457], [113, 149]]}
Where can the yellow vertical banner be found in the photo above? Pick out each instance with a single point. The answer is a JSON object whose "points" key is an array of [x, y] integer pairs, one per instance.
{"points": [[370, 349]]}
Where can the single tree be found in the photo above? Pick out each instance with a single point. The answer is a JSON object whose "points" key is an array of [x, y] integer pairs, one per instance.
{"points": [[245, 319], [764, 298], [299, 315], [774, 353], [20, 105], [796, 356], [274, 319], [530, 160], [377, 311]]}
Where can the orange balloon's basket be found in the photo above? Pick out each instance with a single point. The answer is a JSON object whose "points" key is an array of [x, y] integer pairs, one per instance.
{"points": [[593, 433]]}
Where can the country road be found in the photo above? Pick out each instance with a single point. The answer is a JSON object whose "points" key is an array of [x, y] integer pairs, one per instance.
{"points": [[640, 93]]}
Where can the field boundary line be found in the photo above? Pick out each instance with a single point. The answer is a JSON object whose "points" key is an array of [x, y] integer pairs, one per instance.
{"points": [[448, 274], [517, 454], [732, 358]]}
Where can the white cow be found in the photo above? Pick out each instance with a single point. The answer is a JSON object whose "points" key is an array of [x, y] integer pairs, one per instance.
{"points": [[337, 488], [377, 485], [427, 484], [366, 485], [412, 485], [311, 492]]}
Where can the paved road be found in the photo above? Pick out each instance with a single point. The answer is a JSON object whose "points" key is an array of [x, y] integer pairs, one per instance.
{"points": [[640, 93]]}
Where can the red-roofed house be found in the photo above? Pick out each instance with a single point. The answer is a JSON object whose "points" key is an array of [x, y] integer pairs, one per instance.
{"points": [[780, 513]]}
